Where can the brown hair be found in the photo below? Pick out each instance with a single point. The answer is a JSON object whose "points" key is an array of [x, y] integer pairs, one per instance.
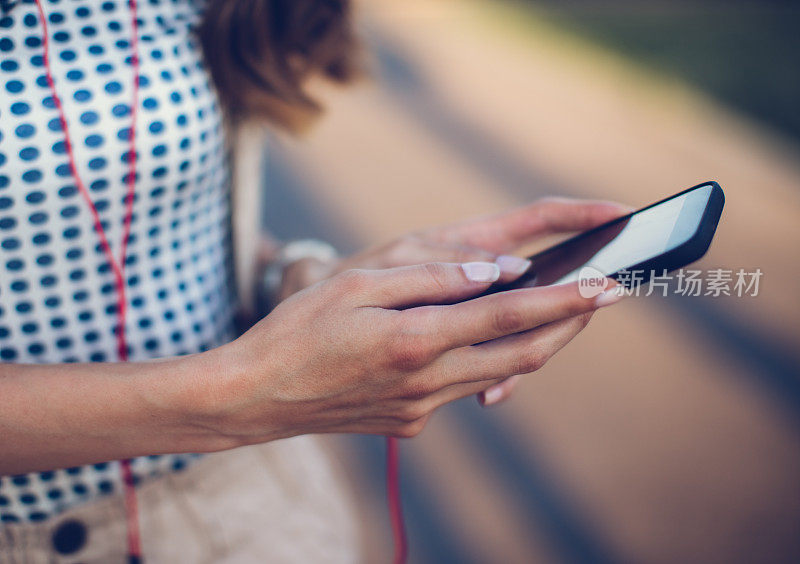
{"points": [[261, 54]]}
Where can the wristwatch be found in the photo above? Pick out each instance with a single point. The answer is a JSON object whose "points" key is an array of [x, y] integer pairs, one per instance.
{"points": [[293, 251]]}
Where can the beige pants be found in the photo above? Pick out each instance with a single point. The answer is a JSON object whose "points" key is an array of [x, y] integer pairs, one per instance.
{"points": [[276, 503]]}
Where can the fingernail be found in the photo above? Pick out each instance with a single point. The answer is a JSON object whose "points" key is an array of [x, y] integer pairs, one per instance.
{"points": [[481, 271], [492, 395], [512, 265], [609, 297]]}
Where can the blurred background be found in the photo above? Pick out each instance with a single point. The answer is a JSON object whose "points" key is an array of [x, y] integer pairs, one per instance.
{"points": [[669, 431]]}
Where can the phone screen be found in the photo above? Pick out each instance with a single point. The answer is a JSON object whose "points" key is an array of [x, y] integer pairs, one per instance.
{"points": [[623, 243]]}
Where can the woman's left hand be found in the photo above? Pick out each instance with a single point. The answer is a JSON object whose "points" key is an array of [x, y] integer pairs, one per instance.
{"points": [[489, 238]]}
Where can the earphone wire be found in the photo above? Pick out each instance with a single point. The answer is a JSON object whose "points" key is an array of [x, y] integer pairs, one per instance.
{"points": [[117, 266], [394, 502], [118, 270]]}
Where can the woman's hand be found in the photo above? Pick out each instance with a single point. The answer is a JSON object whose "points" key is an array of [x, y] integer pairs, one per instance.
{"points": [[490, 238], [486, 238], [364, 352]]}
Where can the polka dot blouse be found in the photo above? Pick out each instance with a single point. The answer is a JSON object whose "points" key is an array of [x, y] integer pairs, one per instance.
{"points": [[57, 293]]}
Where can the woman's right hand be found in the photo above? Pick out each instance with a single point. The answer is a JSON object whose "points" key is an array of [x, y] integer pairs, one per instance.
{"points": [[368, 351]]}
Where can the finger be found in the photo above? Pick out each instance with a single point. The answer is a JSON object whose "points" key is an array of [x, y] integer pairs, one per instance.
{"points": [[460, 390], [507, 231], [446, 389], [420, 250], [430, 283], [511, 267], [564, 215], [384, 427], [497, 393], [473, 369], [519, 354], [504, 313]]}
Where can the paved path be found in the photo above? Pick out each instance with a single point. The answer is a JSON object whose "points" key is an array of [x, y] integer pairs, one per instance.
{"points": [[670, 430]]}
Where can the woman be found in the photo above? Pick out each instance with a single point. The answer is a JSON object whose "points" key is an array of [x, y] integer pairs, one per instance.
{"points": [[115, 245]]}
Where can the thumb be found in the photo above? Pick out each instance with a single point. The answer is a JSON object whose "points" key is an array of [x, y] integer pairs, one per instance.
{"points": [[432, 283]]}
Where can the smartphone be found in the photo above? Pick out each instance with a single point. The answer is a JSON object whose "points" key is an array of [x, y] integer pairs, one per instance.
{"points": [[659, 238]]}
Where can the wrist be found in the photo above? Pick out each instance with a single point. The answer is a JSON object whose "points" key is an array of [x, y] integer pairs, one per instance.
{"points": [[295, 266], [305, 272], [195, 400], [224, 400]]}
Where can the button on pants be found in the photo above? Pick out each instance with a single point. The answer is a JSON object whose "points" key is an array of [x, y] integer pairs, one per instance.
{"points": [[277, 503]]}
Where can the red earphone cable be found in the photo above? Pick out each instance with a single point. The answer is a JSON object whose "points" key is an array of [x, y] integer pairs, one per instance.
{"points": [[394, 502], [117, 266], [118, 269]]}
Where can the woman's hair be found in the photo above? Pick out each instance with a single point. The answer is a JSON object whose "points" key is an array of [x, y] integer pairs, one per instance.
{"points": [[261, 54]]}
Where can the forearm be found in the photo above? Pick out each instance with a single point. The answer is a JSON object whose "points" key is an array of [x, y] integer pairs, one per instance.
{"points": [[56, 416]]}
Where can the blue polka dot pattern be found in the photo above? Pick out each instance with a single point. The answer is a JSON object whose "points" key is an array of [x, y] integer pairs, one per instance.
{"points": [[57, 299]]}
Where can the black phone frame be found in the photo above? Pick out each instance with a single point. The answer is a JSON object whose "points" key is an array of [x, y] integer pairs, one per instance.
{"points": [[686, 253]]}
